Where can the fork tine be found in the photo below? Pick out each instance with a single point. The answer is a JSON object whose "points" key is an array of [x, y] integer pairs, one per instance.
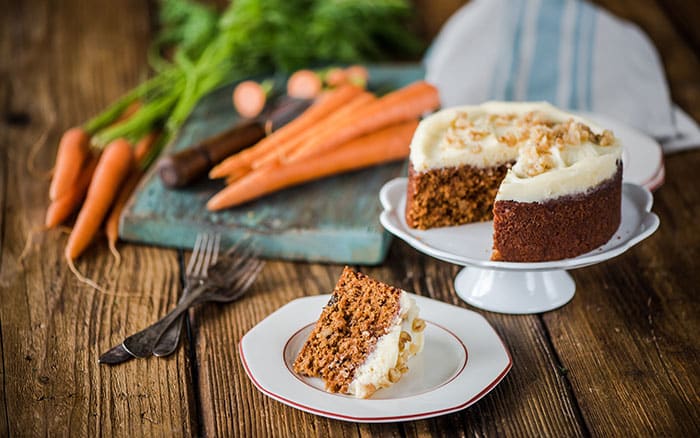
{"points": [[247, 270], [199, 265], [244, 242], [249, 249], [195, 251], [241, 249], [197, 257], [208, 255], [241, 258], [248, 275], [253, 273], [217, 243]]}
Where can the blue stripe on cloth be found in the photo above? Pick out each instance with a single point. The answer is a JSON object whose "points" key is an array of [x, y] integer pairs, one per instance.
{"points": [[584, 67], [591, 48], [544, 70], [497, 88], [515, 56], [573, 97]]}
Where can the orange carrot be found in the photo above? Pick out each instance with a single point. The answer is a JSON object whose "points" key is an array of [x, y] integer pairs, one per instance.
{"points": [[398, 106], [357, 74], [335, 76], [144, 145], [285, 149], [304, 84], [249, 98], [61, 208], [112, 168], [112, 222], [237, 174], [141, 149], [388, 144], [72, 152], [319, 110]]}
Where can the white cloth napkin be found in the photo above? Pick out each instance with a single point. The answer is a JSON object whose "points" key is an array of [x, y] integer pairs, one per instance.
{"points": [[567, 52]]}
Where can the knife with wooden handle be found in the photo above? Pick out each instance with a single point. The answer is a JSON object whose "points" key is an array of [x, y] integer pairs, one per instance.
{"points": [[180, 169]]}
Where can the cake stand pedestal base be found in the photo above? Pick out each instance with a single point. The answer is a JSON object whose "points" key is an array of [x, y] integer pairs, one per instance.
{"points": [[514, 292]]}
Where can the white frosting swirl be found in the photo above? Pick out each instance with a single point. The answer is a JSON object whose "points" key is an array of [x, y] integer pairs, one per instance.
{"points": [[555, 153]]}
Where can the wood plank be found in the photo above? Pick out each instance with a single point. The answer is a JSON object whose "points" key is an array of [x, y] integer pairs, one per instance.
{"points": [[227, 396], [685, 16], [641, 379], [533, 399], [430, 15], [64, 63], [629, 338], [4, 420]]}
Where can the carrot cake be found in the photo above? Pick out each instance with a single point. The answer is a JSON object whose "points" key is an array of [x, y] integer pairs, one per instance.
{"points": [[363, 338], [551, 181]]}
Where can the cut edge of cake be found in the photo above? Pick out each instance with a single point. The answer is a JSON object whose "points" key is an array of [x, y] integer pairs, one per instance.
{"points": [[363, 338]]}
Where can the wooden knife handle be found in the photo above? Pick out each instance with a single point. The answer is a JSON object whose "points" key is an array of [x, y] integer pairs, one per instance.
{"points": [[178, 170], [181, 168]]}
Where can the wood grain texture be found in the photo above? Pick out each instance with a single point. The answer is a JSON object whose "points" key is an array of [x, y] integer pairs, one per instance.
{"points": [[65, 62], [430, 15], [533, 399], [227, 397], [685, 16], [4, 420], [620, 359], [629, 339], [518, 406]]}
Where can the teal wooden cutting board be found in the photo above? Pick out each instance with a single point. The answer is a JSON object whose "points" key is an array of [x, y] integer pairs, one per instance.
{"points": [[335, 219]]}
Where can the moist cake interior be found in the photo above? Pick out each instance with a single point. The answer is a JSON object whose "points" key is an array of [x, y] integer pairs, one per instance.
{"points": [[363, 338]]}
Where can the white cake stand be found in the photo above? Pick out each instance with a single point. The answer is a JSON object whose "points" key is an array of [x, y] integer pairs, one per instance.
{"points": [[509, 287]]}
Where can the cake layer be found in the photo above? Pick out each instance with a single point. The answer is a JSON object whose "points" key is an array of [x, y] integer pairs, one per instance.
{"points": [[388, 362], [451, 196], [558, 228], [571, 170], [556, 153], [363, 338]]}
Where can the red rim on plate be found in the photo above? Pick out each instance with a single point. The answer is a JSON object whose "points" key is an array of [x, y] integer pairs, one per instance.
{"points": [[430, 411]]}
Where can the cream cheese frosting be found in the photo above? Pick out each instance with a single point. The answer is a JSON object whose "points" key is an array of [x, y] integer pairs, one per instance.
{"points": [[555, 153], [391, 352]]}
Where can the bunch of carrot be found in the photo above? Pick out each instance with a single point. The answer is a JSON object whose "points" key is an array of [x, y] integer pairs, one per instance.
{"points": [[96, 182], [347, 128]]}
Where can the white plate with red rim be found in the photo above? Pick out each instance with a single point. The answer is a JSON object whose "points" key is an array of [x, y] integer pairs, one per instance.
{"points": [[472, 361]]}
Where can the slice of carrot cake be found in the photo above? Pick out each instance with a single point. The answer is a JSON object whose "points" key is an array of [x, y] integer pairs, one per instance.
{"points": [[363, 338]]}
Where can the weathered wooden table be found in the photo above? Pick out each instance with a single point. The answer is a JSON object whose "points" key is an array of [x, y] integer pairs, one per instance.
{"points": [[620, 359]]}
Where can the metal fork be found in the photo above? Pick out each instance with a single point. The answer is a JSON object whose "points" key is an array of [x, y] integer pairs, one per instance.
{"points": [[226, 280], [204, 254], [227, 284]]}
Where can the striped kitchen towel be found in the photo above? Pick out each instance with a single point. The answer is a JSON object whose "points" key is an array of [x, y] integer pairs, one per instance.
{"points": [[567, 52]]}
